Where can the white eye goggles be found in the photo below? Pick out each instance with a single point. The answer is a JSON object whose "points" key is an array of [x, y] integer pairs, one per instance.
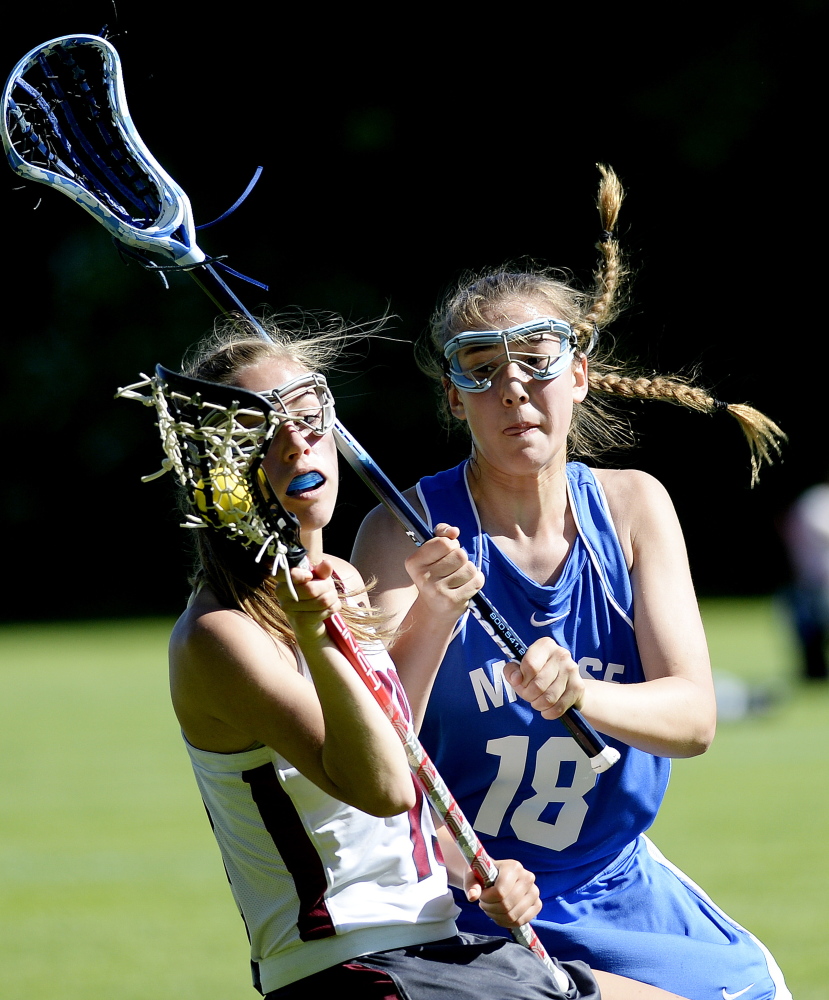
{"points": [[544, 348], [305, 401]]}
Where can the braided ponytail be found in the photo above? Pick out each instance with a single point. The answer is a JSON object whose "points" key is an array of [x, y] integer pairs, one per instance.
{"points": [[478, 301], [609, 278], [763, 435]]}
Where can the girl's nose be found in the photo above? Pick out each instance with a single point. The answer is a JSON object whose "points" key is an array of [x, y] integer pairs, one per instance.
{"points": [[514, 384], [291, 442]]}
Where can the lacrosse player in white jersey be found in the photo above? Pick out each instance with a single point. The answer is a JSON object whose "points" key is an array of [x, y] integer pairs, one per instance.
{"points": [[329, 846]]}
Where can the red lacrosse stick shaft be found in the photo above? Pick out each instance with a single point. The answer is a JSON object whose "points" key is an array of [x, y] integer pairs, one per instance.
{"points": [[430, 781]]}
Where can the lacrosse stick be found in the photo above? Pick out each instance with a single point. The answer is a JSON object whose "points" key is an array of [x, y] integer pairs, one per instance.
{"points": [[214, 438], [505, 638], [66, 124]]}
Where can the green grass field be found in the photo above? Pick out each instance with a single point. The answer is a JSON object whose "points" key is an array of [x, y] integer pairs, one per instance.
{"points": [[111, 884]]}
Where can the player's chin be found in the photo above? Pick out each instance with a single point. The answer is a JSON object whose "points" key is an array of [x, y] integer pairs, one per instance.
{"points": [[312, 513]]}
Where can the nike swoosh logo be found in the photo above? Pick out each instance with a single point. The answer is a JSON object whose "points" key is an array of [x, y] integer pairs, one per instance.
{"points": [[733, 996], [549, 621]]}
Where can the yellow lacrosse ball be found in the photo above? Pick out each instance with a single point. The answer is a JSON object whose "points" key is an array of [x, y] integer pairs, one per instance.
{"points": [[231, 497]]}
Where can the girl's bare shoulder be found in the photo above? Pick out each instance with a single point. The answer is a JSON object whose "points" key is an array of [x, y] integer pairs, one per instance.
{"points": [[639, 505], [629, 487], [209, 635], [205, 616], [382, 545]]}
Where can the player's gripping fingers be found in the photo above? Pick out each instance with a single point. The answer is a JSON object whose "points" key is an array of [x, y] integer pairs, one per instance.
{"points": [[444, 530], [316, 597], [513, 900], [438, 556], [547, 678], [443, 574], [321, 590], [540, 672], [459, 574]]}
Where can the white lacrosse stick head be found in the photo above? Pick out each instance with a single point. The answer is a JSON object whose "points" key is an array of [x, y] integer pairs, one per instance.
{"points": [[95, 157]]}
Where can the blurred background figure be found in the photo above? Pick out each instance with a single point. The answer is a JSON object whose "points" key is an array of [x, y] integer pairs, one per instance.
{"points": [[805, 532]]}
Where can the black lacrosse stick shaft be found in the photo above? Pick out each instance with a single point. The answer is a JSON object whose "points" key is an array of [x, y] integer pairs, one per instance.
{"points": [[505, 638], [221, 295]]}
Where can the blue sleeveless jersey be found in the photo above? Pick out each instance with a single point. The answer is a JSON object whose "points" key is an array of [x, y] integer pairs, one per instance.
{"points": [[609, 898], [521, 780]]}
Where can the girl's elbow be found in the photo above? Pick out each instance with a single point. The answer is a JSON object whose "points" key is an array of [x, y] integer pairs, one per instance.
{"points": [[701, 716], [390, 803], [701, 739], [707, 737], [386, 793]]}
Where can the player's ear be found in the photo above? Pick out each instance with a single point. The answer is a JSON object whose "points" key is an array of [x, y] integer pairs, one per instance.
{"points": [[579, 373], [455, 401]]}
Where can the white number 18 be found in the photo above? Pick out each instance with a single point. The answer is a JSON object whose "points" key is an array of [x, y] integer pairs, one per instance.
{"points": [[526, 822]]}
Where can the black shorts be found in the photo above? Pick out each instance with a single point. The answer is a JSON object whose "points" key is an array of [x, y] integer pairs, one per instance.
{"points": [[465, 967]]}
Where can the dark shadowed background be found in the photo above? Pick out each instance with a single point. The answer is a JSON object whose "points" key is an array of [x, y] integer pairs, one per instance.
{"points": [[401, 147]]}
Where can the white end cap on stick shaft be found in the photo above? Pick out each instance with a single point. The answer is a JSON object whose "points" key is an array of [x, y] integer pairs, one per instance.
{"points": [[604, 760]]}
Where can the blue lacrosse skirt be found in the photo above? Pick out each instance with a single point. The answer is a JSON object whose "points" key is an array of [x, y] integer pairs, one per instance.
{"points": [[643, 918]]}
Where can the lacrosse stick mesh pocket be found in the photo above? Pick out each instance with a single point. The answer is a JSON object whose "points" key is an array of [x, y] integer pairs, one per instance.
{"points": [[214, 439]]}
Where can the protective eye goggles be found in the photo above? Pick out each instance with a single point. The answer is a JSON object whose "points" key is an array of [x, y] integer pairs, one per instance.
{"points": [[305, 401], [543, 348]]}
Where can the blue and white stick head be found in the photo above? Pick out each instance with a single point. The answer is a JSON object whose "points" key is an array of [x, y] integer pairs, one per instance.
{"points": [[65, 123]]}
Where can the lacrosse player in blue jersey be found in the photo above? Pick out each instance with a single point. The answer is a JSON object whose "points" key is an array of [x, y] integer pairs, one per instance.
{"points": [[589, 567]]}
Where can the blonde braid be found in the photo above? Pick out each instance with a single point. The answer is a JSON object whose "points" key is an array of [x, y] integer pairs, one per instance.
{"points": [[610, 276], [596, 428], [763, 435]]}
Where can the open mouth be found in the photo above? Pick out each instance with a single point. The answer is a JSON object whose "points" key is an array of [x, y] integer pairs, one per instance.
{"points": [[304, 483]]}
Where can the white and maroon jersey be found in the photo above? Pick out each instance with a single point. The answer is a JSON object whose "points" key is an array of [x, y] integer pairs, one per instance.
{"points": [[318, 882]]}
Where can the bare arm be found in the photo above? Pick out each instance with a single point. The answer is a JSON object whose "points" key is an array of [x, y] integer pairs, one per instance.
{"points": [[234, 685], [424, 589], [673, 713], [675, 709]]}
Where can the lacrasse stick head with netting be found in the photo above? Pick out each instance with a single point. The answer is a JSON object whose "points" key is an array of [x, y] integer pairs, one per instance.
{"points": [[215, 438], [65, 123]]}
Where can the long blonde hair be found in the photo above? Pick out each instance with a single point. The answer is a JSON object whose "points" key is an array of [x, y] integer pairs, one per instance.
{"points": [[596, 427], [313, 341]]}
